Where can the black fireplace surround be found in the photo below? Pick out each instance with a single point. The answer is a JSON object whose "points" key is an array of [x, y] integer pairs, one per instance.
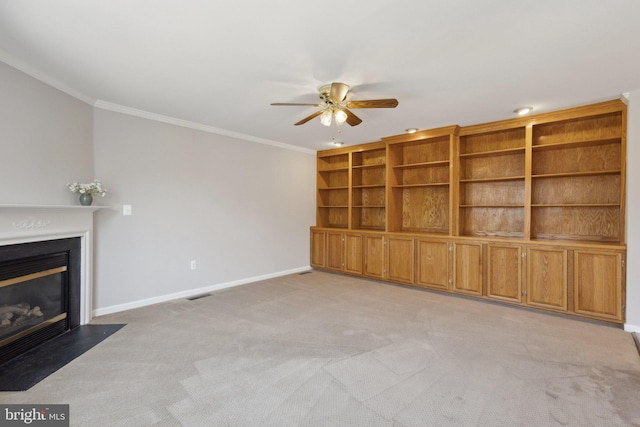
{"points": [[63, 257]]}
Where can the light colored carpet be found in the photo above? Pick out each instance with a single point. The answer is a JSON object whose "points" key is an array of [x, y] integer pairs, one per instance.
{"points": [[326, 350]]}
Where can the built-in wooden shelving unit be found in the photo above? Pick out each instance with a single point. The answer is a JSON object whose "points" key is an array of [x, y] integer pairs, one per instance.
{"points": [[541, 197]]}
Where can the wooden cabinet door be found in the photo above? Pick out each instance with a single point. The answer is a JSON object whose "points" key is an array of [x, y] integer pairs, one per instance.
{"points": [[547, 278], [353, 253], [598, 284], [335, 251], [374, 256], [467, 268], [317, 248], [400, 259], [432, 264], [504, 272]]}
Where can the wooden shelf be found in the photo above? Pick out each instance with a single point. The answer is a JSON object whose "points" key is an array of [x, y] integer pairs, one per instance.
{"points": [[575, 205], [493, 206], [381, 165], [339, 169], [332, 188], [369, 186], [432, 184], [576, 144], [422, 165], [503, 152], [496, 179], [582, 173]]}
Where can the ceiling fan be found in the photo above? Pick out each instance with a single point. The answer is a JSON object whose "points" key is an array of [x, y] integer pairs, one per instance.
{"points": [[334, 106]]}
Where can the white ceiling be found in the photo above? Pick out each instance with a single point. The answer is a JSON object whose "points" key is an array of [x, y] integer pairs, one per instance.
{"points": [[219, 64]]}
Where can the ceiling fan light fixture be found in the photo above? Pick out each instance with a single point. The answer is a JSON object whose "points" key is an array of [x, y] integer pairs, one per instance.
{"points": [[523, 110], [325, 117], [340, 117]]}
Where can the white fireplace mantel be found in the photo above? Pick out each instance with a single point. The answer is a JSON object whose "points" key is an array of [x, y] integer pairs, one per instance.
{"points": [[35, 223]]}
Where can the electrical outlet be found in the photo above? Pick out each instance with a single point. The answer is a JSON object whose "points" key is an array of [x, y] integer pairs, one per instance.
{"points": [[193, 264], [127, 210]]}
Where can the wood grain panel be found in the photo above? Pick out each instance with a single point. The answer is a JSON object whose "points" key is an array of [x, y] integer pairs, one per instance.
{"points": [[492, 193], [432, 264], [374, 196], [318, 249], [579, 129], [334, 217], [500, 222], [425, 175], [591, 189], [368, 218], [422, 151], [504, 273], [335, 251], [369, 157], [334, 197], [329, 162], [425, 209], [467, 269], [374, 256], [547, 278], [600, 157], [353, 253], [400, 259], [598, 284], [369, 176], [577, 223], [498, 166], [492, 141]]}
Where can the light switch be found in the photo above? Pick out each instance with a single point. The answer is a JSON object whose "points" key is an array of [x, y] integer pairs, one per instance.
{"points": [[127, 210]]}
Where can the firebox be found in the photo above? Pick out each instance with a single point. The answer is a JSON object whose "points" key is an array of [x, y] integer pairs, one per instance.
{"points": [[39, 293]]}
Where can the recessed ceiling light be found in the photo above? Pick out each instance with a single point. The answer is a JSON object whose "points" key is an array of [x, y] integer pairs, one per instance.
{"points": [[412, 130], [523, 110]]}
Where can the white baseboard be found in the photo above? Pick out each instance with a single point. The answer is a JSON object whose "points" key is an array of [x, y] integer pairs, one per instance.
{"points": [[192, 292], [631, 328]]}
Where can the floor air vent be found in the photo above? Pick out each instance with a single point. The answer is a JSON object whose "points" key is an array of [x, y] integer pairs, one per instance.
{"points": [[198, 297]]}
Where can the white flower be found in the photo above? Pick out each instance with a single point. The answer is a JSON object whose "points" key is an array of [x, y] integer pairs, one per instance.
{"points": [[94, 187]]}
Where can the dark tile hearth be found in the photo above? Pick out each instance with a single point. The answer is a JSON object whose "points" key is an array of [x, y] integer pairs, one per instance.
{"points": [[23, 372]]}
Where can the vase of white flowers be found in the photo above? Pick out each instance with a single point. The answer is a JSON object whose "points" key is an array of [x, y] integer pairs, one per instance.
{"points": [[87, 191]]}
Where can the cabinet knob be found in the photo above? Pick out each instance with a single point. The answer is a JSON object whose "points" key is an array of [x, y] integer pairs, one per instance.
{"points": [[450, 248]]}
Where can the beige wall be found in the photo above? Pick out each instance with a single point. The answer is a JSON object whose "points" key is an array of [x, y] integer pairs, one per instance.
{"points": [[45, 141], [633, 219], [240, 209]]}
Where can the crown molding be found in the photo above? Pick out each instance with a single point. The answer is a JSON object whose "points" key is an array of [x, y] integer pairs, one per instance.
{"points": [[197, 126], [44, 78]]}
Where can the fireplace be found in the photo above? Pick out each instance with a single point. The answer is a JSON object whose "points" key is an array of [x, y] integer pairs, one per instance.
{"points": [[39, 293]]}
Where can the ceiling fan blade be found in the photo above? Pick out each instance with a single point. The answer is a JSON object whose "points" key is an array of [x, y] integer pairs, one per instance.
{"points": [[288, 103], [338, 92], [352, 119], [306, 119], [373, 103]]}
